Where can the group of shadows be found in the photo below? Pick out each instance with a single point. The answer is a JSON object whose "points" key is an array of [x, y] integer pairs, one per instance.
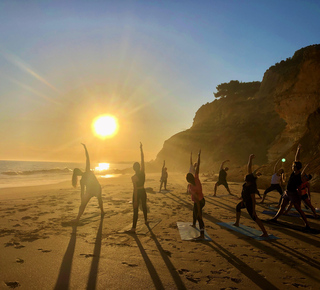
{"points": [[272, 247]]}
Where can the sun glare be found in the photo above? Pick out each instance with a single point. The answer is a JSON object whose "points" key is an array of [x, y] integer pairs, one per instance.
{"points": [[102, 166], [105, 126]]}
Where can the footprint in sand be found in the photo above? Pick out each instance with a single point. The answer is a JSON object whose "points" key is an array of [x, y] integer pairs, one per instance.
{"points": [[14, 284], [130, 265], [20, 261]]}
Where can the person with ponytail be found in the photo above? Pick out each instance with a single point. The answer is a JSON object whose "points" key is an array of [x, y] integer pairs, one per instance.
{"points": [[90, 186], [139, 192]]}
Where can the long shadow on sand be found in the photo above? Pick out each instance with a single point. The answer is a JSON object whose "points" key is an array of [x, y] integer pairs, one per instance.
{"points": [[278, 254], [152, 271], [66, 265], [92, 280], [255, 277], [175, 275]]}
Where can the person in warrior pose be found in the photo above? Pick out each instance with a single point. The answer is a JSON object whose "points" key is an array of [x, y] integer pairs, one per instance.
{"points": [[304, 191], [195, 189], [249, 189], [90, 186], [222, 178], [139, 192], [292, 193], [164, 176], [277, 180]]}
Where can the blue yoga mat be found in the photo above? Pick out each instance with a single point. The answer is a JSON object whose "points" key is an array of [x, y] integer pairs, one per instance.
{"points": [[188, 233], [294, 214], [250, 232], [304, 209]]}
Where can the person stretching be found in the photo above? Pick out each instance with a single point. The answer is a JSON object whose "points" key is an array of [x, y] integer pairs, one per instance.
{"points": [[277, 180], [195, 189], [249, 189], [292, 194], [139, 192], [90, 186], [304, 191], [222, 178]]}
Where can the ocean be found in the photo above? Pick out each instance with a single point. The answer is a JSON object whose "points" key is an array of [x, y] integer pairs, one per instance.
{"points": [[28, 173]]}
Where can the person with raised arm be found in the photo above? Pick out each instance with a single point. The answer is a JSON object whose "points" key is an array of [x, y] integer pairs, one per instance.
{"points": [[90, 186], [164, 176], [248, 193], [222, 178], [139, 192], [277, 181], [292, 192], [304, 190], [195, 189]]}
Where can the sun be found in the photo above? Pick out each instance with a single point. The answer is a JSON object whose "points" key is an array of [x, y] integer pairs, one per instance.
{"points": [[105, 126]]}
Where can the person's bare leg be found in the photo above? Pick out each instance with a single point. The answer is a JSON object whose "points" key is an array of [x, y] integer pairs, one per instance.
{"points": [[238, 214], [260, 224], [298, 208], [84, 202], [215, 189], [281, 209], [308, 202]]}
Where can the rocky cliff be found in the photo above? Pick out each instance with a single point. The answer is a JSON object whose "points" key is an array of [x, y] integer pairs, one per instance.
{"points": [[268, 119]]}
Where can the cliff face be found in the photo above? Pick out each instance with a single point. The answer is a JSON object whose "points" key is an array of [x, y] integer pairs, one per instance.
{"points": [[269, 119]]}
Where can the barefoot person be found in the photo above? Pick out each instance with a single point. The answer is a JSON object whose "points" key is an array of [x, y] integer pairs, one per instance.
{"points": [[292, 193], [90, 186], [277, 180], [139, 193], [304, 190], [249, 189], [164, 176], [222, 178], [195, 189]]}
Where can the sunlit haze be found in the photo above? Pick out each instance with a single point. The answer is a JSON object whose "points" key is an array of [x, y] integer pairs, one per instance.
{"points": [[151, 64]]}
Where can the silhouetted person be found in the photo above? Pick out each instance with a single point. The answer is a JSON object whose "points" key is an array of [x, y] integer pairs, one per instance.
{"points": [[248, 193], [139, 192], [222, 178], [195, 189], [277, 180], [292, 193], [90, 186], [164, 176]]}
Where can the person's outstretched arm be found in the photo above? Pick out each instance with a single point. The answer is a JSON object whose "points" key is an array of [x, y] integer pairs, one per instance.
{"points": [[221, 167], [297, 157], [198, 163], [275, 166], [87, 158], [164, 164], [142, 158], [304, 169], [191, 159], [249, 166]]}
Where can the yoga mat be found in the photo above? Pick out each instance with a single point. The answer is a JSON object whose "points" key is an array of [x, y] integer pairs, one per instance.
{"points": [[250, 232], [294, 214], [188, 233], [142, 229]]}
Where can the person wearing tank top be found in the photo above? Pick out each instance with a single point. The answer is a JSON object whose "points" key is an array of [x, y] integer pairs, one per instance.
{"points": [[277, 180]]}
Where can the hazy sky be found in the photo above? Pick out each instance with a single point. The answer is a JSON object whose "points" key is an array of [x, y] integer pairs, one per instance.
{"points": [[152, 64]]}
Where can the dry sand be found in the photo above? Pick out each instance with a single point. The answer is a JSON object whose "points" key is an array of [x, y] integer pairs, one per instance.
{"points": [[38, 251]]}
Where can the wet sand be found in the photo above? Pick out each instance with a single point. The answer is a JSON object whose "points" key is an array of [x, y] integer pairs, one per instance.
{"points": [[39, 250]]}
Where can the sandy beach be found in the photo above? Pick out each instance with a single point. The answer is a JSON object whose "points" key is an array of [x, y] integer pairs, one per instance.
{"points": [[39, 250]]}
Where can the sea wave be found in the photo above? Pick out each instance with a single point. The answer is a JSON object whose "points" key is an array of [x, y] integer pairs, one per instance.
{"points": [[42, 171]]}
